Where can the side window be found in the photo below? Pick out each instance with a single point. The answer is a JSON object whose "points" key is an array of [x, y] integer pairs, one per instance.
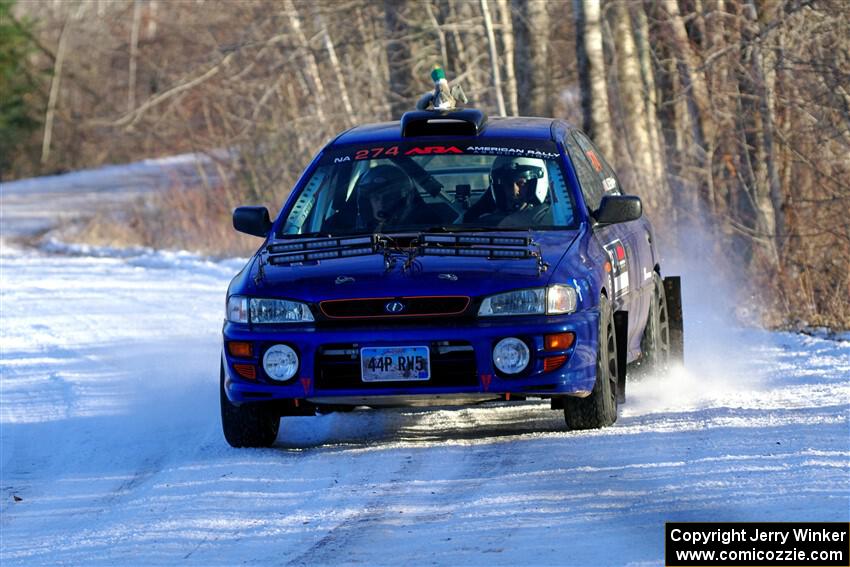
{"points": [[591, 186], [610, 183]]}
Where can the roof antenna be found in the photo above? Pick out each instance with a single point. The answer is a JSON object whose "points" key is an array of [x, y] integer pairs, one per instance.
{"points": [[443, 97]]}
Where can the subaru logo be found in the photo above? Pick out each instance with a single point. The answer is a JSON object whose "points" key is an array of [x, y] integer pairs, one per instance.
{"points": [[394, 307]]}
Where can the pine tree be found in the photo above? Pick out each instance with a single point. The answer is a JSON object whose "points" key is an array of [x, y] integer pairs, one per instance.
{"points": [[17, 87]]}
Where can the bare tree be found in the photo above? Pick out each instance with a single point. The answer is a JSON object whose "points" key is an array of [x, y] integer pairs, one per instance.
{"points": [[592, 79], [732, 113], [134, 55], [336, 68], [494, 58], [650, 101], [631, 98], [399, 57], [310, 67], [693, 79], [508, 43]]}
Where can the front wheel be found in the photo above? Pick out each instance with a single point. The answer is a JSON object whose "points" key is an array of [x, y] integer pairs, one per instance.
{"points": [[248, 425], [599, 409]]}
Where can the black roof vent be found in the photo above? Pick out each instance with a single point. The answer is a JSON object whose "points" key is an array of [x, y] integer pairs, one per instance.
{"points": [[466, 122]]}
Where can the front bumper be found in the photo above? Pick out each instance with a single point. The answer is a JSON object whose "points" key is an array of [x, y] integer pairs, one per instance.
{"points": [[462, 364]]}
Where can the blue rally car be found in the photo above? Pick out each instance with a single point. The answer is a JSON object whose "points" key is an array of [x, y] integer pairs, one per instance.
{"points": [[446, 259]]}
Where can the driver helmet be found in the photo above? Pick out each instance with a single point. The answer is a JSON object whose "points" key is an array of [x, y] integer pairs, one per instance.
{"points": [[385, 190], [518, 180]]}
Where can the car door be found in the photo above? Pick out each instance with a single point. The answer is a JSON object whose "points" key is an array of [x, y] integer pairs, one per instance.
{"points": [[625, 243]]}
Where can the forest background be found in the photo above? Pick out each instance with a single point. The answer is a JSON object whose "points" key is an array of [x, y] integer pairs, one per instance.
{"points": [[729, 118]]}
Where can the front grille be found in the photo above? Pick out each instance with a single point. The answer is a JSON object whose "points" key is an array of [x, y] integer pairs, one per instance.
{"points": [[394, 308], [452, 364]]}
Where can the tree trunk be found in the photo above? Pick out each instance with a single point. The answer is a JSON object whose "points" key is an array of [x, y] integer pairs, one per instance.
{"points": [[650, 98], [494, 58], [53, 98], [508, 43], [700, 102], [441, 35], [530, 23], [151, 27], [631, 89], [134, 55], [591, 62], [455, 53], [402, 93], [310, 68], [765, 62], [336, 68], [766, 187], [720, 25]]}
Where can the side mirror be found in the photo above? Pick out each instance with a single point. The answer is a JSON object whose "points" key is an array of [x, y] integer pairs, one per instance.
{"points": [[618, 208], [252, 220]]}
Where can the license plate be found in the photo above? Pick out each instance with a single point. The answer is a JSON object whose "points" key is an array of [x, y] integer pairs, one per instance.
{"points": [[395, 364]]}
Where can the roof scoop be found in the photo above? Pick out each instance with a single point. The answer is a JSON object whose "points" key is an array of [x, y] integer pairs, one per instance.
{"points": [[466, 122]]}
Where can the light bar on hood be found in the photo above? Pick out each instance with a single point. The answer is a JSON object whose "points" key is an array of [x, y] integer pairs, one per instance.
{"points": [[475, 239], [481, 251], [286, 253], [281, 247]]}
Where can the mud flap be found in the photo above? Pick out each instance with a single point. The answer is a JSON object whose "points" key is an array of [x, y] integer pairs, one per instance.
{"points": [[673, 295], [621, 328]]}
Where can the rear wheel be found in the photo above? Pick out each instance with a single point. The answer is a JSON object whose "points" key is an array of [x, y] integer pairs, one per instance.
{"points": [[599, 409], [247, 425], [655, 343]]}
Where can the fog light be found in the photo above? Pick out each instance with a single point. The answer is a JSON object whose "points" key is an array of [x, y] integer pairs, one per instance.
{"points": [[511, 355], [561, 341], [239, 349], [280, 362]]}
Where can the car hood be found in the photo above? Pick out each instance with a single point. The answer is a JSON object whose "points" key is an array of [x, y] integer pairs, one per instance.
{"points": [[367, 276]]}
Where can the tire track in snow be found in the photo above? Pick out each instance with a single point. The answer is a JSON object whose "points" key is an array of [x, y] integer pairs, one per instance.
{"points": [[365, 526]]}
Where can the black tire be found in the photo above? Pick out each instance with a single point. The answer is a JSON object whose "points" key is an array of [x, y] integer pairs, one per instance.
{"points": [[247, 425], [655, 343], [599, 409]]}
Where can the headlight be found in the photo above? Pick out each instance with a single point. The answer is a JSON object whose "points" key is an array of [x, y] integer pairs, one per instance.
{"points": [[242, 309], [553, 300], [280, 362], [278, 311], [522, 302]]}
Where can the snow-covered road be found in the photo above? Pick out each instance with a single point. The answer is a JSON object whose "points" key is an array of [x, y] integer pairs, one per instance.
{"points": [[31, 207], [112, 451]]}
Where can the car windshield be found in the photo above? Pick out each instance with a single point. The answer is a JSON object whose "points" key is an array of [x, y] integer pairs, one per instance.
{"points": [[415, 187]]}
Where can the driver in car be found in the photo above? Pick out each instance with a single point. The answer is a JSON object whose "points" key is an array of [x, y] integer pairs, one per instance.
{"points": [[385, 195], [517, 196], [385, 199]]}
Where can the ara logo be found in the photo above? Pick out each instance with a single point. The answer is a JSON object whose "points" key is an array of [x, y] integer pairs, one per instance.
{"points": [[619, 267], [427, 150], [342, 159], [394, 307]]}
